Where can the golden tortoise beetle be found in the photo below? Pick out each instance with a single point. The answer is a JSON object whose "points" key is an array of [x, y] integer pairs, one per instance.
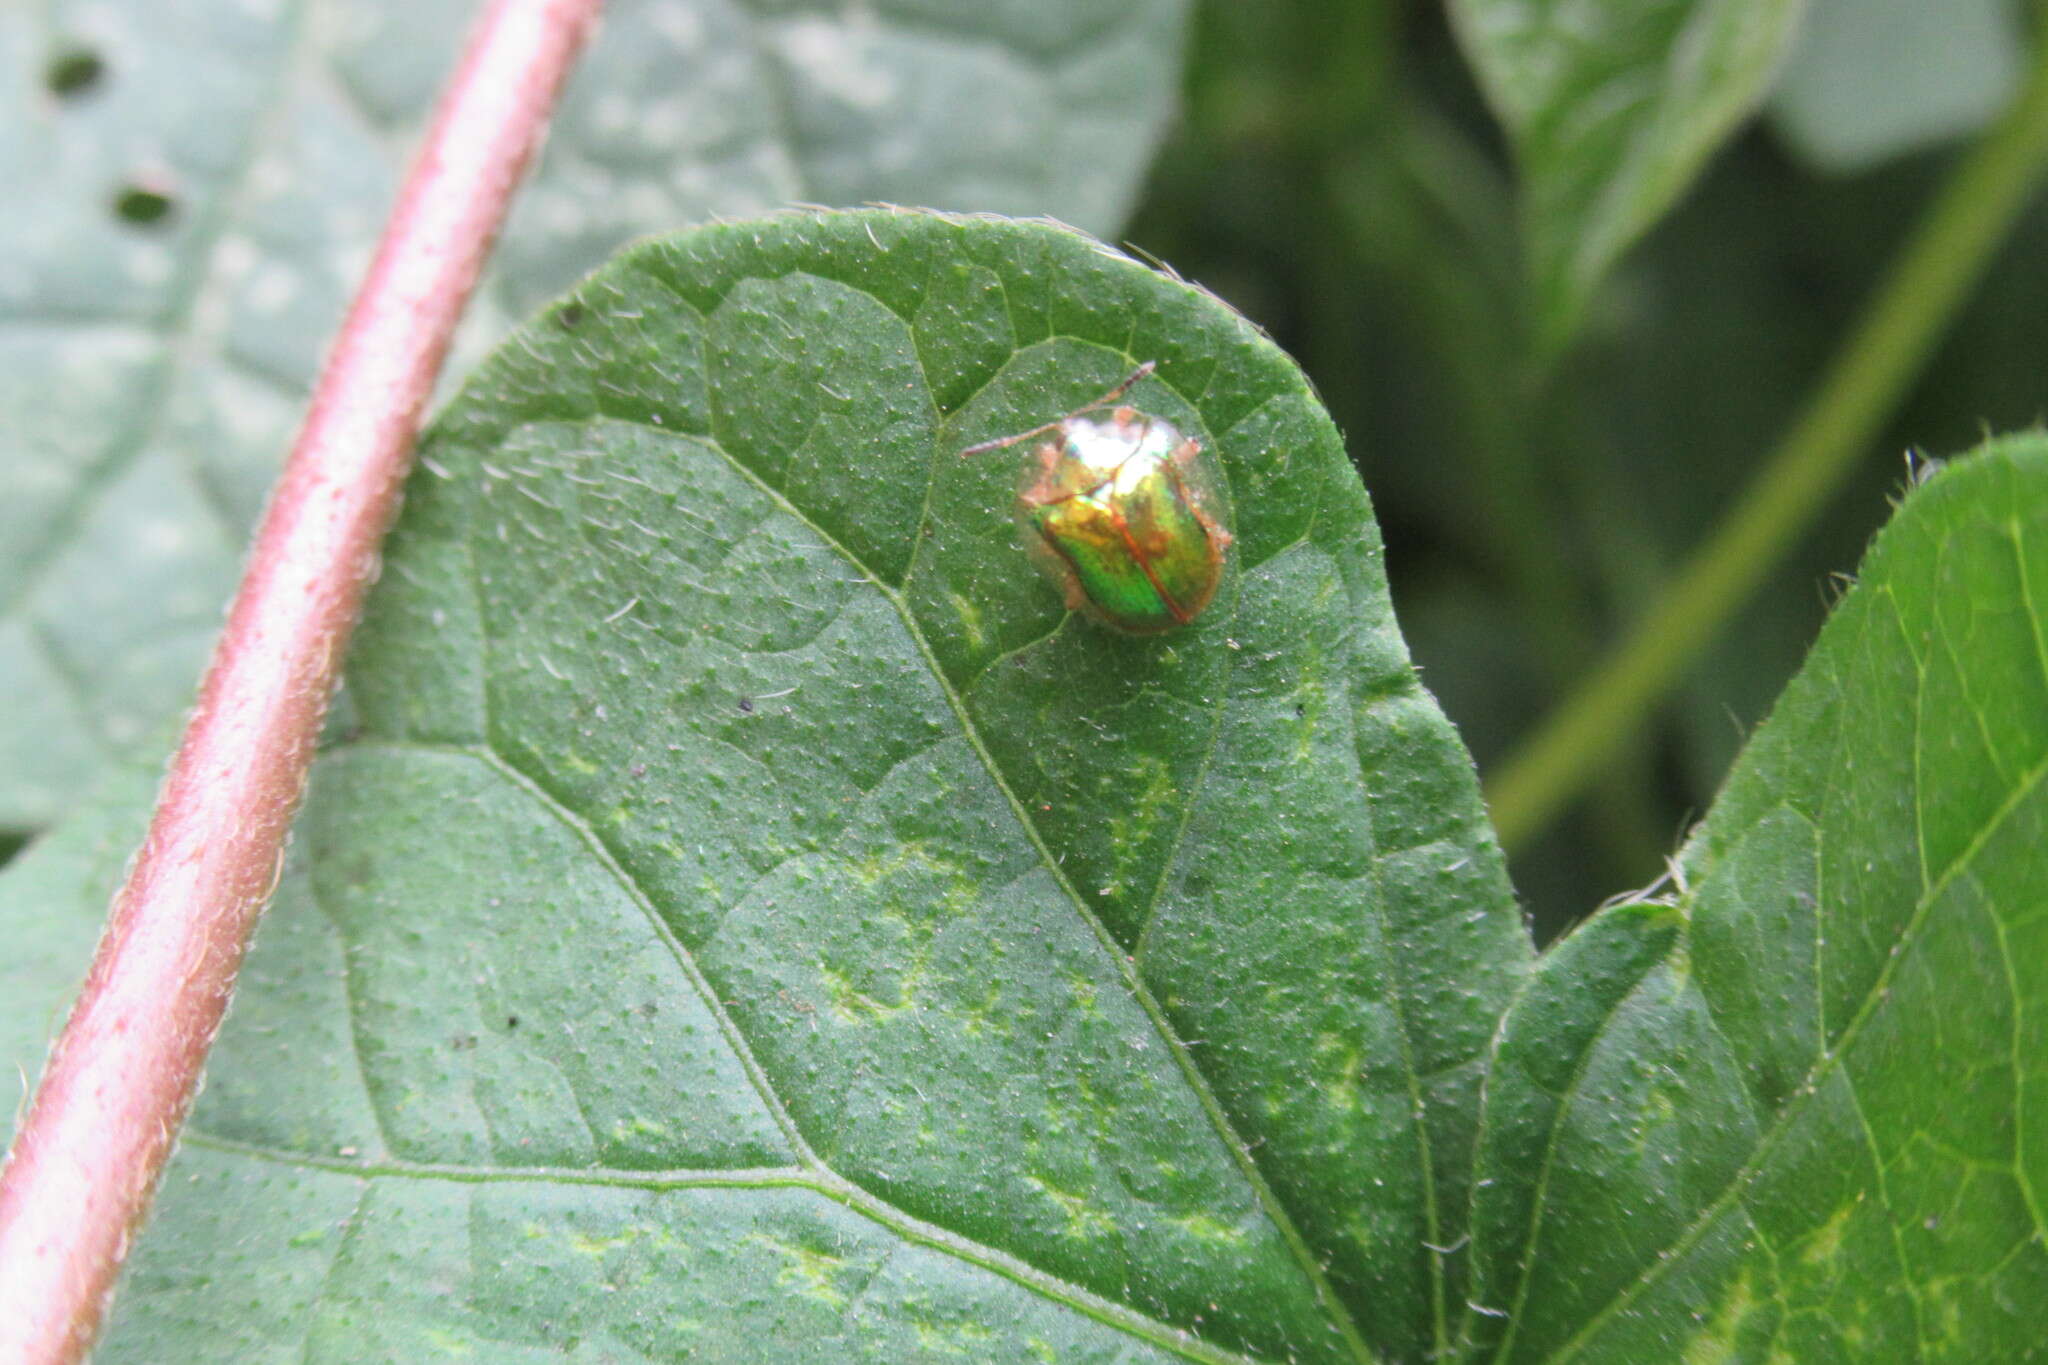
{"points": [[1122, 512]]}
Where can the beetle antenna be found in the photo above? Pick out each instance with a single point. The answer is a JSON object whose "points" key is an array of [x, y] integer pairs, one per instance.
{"points": [[1001, 442], [1130, 382]]}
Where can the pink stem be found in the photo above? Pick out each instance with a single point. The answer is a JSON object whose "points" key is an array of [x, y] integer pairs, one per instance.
{"points": [[122, 1075]]}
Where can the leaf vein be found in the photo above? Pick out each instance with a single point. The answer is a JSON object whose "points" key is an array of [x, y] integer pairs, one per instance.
{"points": [[735, 1038], [823, 1183], [1831, 1058], [1564, 1100], [1884, 1200], [348, 996], [1176, 1048], [349, 1227]]}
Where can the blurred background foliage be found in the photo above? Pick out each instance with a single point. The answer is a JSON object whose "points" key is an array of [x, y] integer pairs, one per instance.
{"points": [[1336, 175], [1335, 172]]}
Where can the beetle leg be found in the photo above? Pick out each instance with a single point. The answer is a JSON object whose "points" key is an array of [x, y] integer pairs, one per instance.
{"points": [[1040, 492], [1049, 456]]}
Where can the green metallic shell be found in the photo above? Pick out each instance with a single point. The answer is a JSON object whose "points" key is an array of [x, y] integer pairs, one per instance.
{"points": [[1122, 512]]}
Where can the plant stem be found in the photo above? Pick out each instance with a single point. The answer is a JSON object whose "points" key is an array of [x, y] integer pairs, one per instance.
{"points": [[1929, 282], [86, 1160]]}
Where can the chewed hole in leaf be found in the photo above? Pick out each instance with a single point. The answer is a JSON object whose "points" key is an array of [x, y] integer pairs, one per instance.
{"points": [[143, 205], [73, 72]]}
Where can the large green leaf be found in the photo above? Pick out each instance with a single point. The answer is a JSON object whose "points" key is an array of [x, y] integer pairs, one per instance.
{"points": [[752, 917], [151, 371], [1612, 107], [1796, 1113]]}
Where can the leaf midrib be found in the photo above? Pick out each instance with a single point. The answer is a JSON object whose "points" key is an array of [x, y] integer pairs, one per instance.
{"points": [[1125, 967], [811, 1172], [1191, 1073], [820, 1181], [1532, 1237]]}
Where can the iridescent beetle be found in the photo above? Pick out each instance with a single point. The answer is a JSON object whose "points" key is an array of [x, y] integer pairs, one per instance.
{"points": [[1121, 511]]}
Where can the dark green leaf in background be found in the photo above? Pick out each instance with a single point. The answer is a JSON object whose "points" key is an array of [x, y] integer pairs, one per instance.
{"points": [[194, 188], [1796, 1114], [753, 919], [1612, 107]]}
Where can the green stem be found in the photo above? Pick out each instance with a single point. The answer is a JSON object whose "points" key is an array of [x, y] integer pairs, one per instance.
{"points": [[1928, 284]]}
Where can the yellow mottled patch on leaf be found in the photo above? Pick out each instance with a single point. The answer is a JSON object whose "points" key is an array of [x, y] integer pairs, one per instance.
{"points": [[1148, 795], [970, 622], [1204, 1228], [1824, 1243], [813, 1274], [1084, 1220], [1340, 1064], [584, 1244], [1715, 1341]]}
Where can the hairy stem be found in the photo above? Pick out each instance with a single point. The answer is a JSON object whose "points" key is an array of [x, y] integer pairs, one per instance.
{"points": [[1929, 282], [86, 1159]]}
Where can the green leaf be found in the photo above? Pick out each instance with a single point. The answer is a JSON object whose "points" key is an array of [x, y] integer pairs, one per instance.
{"points": [[1795, 1113], [752, 917], [1612, 107], [1870, 79], [195, 189]]}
